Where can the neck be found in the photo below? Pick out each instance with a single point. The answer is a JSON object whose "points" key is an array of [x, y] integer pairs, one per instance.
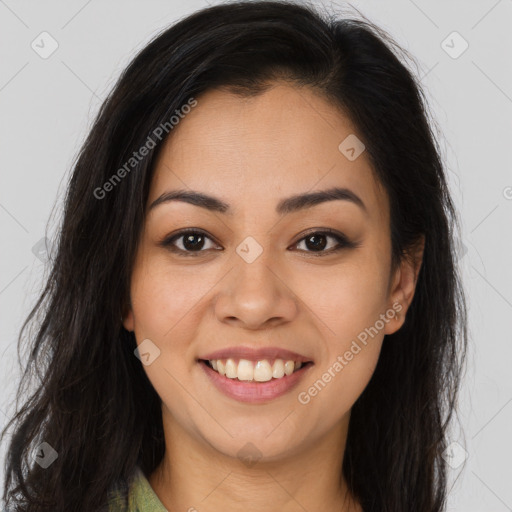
{"points": [[193, 476]]}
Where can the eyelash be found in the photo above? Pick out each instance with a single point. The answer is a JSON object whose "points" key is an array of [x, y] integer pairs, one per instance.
{"points": [[343, 242]]}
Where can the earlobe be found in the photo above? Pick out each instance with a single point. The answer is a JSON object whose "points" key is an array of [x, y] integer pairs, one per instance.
{"points": [[396, 303], [127, 318]]}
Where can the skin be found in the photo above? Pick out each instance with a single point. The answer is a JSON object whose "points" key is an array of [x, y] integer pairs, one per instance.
{"points": [[251, 153]]}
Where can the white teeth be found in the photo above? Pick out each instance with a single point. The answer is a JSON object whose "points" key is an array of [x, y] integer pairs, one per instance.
{"points": [[231, 369], [278, 369], [245, 370], [289, 366], [259, 371], [262, 371]]}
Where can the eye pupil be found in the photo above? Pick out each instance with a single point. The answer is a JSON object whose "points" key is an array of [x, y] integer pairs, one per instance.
{"points": [[316, 246], [190, 245]]}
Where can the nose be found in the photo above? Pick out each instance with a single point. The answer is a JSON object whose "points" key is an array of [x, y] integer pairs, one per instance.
{"points": [[256, 296]]}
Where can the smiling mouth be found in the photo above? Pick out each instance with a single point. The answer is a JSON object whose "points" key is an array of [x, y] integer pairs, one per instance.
{"points": [[263, 370]]}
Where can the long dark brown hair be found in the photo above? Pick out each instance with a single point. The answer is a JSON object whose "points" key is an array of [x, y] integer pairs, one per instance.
{"points": [[93, 402]]}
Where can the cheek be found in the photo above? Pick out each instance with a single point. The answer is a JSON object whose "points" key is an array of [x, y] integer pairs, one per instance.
{"points": [[354, 336], [348, 305], [354, 304], [351, 298], [342, 380], [165, 305], [165, 299]]}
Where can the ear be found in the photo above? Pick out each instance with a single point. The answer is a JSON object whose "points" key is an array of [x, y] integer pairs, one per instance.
{"points": [[403, 285], [128, 319]]}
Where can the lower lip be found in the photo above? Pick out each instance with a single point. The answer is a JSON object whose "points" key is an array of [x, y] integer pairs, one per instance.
{"points": [[254, 392]]}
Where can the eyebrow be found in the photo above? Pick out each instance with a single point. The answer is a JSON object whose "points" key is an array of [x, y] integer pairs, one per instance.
{"points": [[289, 205]]}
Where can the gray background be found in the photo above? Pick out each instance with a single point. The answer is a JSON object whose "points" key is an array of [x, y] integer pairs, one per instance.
{"points": [[47, 105]]}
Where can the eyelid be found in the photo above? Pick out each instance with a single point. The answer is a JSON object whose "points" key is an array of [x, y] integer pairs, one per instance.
{"points": [[322, 231], [343, 241], [168, 241]]}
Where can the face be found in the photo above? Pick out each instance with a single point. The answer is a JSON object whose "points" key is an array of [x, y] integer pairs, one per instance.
{"points": [[312, 278]]}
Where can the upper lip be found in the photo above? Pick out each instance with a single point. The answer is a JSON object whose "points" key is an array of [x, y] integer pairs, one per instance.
{"points": [[256, 354]]}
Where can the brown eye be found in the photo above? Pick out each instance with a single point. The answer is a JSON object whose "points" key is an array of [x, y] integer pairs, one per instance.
{"points": [[195, 242], [317, 242], [187, 242]]}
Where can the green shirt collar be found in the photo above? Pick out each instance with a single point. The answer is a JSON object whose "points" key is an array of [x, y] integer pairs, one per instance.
{"points": [[141, 498]]}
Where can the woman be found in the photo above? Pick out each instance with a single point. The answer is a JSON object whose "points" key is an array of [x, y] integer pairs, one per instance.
{"points": [[254, 302]]}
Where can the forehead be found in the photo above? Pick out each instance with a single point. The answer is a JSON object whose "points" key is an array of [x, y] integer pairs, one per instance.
{"points": [[282, 142]]}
